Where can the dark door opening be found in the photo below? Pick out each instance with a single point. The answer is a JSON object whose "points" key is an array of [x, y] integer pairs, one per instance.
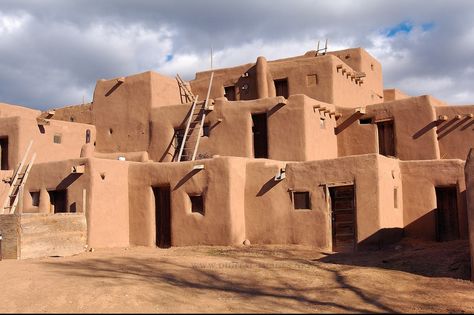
{"points": [[177, 141], [230, 92], [343, 218], [386, 138], [58, 200], [281, 87], [4, 153], [446, 214], [260, 141], [162, 216]]}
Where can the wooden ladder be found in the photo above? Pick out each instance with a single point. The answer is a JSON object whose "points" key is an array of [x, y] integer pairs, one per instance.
{"points": [[196, 118], [15, 192], [184, 92]]}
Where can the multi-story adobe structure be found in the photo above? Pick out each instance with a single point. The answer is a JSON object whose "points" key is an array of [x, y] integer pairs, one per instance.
{"points": [[305, 150]]}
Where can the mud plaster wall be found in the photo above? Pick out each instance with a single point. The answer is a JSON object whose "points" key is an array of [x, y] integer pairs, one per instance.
{"points": [[76, 113], [20, 130], [294, 131], [222, 223], [122, 110], [362, 171], [415, 135], [393, 95], [469, 176], [419, 180], [456, 135], [106, 199]]}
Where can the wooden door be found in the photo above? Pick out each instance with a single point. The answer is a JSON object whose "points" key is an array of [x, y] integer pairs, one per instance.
{"points": [[343, 218], [162, 216], [446, 214], [260, 139], [386, 138]]}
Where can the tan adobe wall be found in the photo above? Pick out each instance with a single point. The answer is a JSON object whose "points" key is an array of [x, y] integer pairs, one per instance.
{"points": [[294, 129], [121, 109], [21, 130], [223, 222], [8, 110], [76, 113], [393, 95], [456, 134], [318, 77], [415, 135], [104, 186], [419, 198], [469, 175]]}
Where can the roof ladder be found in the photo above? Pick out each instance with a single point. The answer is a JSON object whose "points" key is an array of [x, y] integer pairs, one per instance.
{"points": [[17, 183], [197, 115], [184, 92]]}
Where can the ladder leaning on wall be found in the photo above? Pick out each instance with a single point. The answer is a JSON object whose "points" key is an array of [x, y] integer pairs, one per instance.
{"points": [[196, 118], [17, 182], [184, 92]]}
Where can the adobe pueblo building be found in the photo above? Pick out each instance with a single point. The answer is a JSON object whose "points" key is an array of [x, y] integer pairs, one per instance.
{"points": [[306, 150]]}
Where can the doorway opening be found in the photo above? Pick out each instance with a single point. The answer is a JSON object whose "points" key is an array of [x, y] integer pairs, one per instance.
{"points": [[260, 139], [281, 87], [446, 214], [163, 216], [386, 138], [343, 218], [4, 153]]}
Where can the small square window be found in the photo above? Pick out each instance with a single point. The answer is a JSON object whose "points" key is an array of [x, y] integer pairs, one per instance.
{"points": [[301, 200], [197, 204], [35, 197], [229, 92], [57, 138], [365, 121], [311, 79]]}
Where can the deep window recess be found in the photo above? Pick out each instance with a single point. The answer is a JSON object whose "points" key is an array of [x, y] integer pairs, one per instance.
{"points": [[229, 92], [206, 130], [178, 139], [58, 200], [301, 200], [281, 87], [57, 138], [35, 197], [365, 121], [395, 197], [197, 204]]}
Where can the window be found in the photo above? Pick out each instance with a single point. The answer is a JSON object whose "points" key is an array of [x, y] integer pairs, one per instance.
{"points": [[35, 197], [281, 87], [365, 121], [322, 122], [57, 138], [197, 204], [4, 153], [229, 92], [311, 79], [206, 130], [395, 197], [301, 200], [88, 135]]}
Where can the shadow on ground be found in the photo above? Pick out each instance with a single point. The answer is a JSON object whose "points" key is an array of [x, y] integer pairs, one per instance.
{"points": [[429, 259]]}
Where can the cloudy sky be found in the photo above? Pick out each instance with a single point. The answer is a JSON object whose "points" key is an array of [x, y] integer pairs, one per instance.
{"points": [[53, 51]]}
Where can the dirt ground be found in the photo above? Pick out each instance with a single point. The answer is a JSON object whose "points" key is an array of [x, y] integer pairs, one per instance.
{"points": [[409, 277]]}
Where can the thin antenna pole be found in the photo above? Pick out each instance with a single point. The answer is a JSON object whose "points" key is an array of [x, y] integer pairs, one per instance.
{"points": [[211, 56]]}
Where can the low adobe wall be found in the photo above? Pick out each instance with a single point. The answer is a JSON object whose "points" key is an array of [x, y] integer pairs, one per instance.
{"points": [[39, 235]]}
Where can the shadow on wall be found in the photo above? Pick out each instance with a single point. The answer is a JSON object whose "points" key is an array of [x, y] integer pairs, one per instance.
{"points": [[263, 276], [68, 180]]}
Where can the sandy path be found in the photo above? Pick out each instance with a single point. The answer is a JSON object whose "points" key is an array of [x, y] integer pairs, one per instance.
{"points": [[232, 279]]}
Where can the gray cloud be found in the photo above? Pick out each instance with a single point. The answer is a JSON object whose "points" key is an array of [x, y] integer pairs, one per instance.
{"points": [[52, 52]]}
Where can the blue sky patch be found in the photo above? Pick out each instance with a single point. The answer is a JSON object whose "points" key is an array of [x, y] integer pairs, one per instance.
{"points": [[169, 57], [404, 27], [427, 26]]}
